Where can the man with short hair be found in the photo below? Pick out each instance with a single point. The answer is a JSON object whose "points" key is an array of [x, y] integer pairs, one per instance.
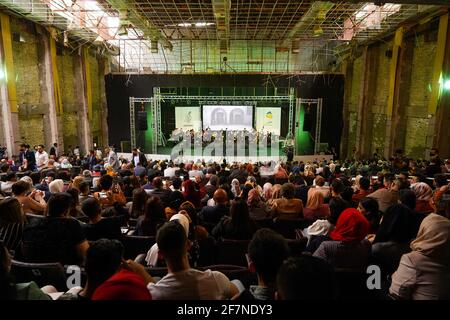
{"points": [[266, 252], [54, 151], [138, 157], [56, 237], [26, 153], [364, 189], [41, 157], [215, 213], [111, 158], [389, 196], [160, 192], [99, 227], [183, 282]]}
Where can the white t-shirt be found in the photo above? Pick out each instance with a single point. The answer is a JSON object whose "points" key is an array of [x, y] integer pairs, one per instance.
{"points": [[191, 284], [41, 159], [136, 160]]}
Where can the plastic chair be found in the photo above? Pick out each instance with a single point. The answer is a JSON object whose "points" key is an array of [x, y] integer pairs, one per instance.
{"points": [[232, 252]]}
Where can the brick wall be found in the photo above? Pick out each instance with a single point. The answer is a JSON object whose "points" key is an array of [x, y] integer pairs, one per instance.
{"points": [[419, 95], [32, 92], [416, 87]]}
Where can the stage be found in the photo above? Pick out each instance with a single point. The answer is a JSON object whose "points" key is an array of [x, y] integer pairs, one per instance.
{"points": [[230, 159]]}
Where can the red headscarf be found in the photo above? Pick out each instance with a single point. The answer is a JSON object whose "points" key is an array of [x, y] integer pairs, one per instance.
{"points": [[190, 193], [124, 285], [351, 226]]}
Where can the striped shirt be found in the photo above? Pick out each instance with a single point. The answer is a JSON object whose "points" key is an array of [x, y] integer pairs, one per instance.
{"points": [[11, 234], [346, 255]]}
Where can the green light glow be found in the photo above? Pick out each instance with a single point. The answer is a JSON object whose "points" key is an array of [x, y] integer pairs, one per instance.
{"points": [[447, 85]]}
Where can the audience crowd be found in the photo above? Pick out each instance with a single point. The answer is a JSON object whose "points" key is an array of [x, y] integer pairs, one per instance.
{"points": [[302, 225]]}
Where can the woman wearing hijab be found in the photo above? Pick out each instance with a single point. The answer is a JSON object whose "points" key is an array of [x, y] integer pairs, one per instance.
{"points": [[267, 191], [256, 206], [424, 273], [349, 248], [318, 232], [153, 259], [397, 229], [424, 194], [276, 194], [235, 188], [315, 207], [191, 194]]}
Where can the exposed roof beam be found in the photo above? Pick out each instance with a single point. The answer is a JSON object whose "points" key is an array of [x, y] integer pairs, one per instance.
{"points": [[428, 2], [222, 14], [315, 14], [139, 21]]}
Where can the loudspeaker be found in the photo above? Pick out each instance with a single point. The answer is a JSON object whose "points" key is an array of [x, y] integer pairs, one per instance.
{"points": [[309, 119], [142, 121]]}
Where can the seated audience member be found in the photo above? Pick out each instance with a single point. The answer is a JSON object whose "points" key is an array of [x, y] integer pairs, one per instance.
{"points": [[103, 259], [57, 237], [191, 193], [176, 197], [110, 193], [266, 252], [236, 188], [267, 191], [137, 208], [182, 282], [200, 232], [16, 291], [84, 191], [317, 233], [256, 206], [56, 186], [315, 207], [76, 181], [153, 258], [349, 248], [154, 216], [407, 197], [424, 273], [33, 203], [99, 227], [213, 215], [369, 208], [237, 226], [337, 204], [398, 227], [124, 285], [75, 208], [347, 196], [424, 195], [364, 189], [160, 192], [389, 195], [10, 180], [12, 221], [442, 187], [276, 194], [287, 207], [305, 278], [320, 186]]}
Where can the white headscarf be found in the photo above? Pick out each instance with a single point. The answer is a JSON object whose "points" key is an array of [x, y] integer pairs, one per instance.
{"points": [[56, 186], [320, 228], [152, 254]]}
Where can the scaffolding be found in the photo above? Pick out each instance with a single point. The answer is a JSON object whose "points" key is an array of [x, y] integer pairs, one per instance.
{"points": [[158, 138]]}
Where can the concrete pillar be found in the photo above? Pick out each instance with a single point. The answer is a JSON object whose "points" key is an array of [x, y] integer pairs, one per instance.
{"points": [[9, 111], [51, 115], [84, 132], [103, 70]]}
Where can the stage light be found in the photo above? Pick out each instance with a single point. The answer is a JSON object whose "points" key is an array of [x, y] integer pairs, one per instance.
{"points": [[2, 74], [185, 25], [447, 85]]}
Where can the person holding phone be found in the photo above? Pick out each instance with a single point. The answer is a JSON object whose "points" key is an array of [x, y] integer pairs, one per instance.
{"points": [[110, 192], [31, 203]]}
